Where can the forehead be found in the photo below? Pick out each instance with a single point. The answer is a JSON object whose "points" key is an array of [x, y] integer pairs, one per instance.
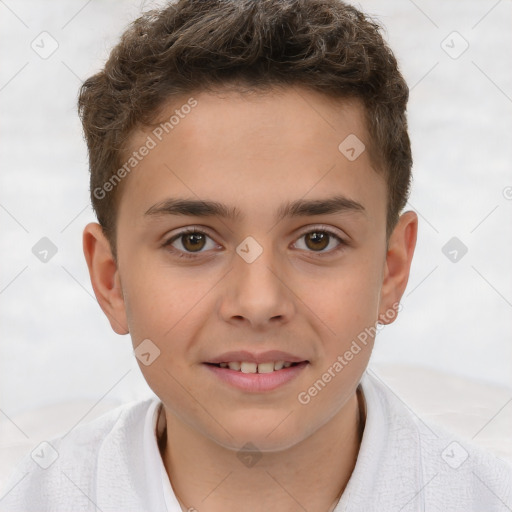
{"points": [[254, 152]]}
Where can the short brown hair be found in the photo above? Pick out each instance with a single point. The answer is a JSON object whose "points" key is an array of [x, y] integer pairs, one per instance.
{"points": [[192, 46]]}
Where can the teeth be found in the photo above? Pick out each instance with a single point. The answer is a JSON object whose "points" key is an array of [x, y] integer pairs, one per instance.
{"points": [[265, 367], [248, 367]]}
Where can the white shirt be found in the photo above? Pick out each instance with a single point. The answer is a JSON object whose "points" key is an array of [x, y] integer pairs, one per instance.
{"points": [[113, 464]]}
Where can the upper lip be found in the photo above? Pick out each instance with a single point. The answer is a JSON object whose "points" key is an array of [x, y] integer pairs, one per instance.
{"points": [[251, 357]]}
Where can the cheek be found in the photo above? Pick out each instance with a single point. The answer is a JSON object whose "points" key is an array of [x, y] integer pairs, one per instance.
{"points": [[349, 302], [159, 297], [332, 386], [167, 309]]}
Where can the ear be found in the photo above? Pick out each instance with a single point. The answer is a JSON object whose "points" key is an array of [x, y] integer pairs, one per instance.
{"points": [[105, 277], [397, 266]]}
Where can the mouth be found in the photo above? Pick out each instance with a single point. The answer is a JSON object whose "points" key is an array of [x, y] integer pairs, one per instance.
{"points": [[253, 372], [260, 375], [251, 367]]}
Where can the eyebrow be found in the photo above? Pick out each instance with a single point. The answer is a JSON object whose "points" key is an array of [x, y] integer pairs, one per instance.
{"points": [[298, 208]]}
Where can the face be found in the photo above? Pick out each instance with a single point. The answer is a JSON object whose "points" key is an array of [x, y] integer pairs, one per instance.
{"points": [[252, 254]]}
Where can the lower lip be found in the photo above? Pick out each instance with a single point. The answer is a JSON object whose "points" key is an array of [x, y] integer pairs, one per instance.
{"points": [[257, 382]]}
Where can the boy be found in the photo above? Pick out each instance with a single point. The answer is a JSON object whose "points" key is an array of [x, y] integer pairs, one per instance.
{"points": [[226, 139]]}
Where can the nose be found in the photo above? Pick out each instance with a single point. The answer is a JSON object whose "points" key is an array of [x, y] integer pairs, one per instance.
{"points": [[257, 292]]}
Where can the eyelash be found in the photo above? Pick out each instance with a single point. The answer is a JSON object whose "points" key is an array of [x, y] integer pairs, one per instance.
{"points": [[183, 254]]}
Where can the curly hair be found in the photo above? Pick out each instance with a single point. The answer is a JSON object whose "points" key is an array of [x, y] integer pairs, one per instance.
{"points": [[192, 46]]}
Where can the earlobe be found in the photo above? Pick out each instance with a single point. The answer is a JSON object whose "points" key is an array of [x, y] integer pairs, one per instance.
{"points": [[397, 267], [104, 276]]}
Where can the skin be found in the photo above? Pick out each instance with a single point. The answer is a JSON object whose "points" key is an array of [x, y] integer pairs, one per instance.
{"points": [[255, 153]]}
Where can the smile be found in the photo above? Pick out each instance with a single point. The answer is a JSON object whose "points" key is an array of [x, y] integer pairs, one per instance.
{"points": [[256, 377], [250, 367]]}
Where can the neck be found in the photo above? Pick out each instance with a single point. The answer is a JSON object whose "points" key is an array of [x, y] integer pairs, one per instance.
{"points": [[311, 475]]}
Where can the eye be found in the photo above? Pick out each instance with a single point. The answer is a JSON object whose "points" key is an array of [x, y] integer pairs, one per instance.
{"points": [[191, 240], [317, 240]]}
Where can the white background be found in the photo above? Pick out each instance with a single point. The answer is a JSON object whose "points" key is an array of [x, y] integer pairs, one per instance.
{"points": [[56, 343]]}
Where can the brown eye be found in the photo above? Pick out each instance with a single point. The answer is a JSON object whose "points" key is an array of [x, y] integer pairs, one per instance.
{"points": [[321, 241], [189, 243], [317, 240], [193, 241]]}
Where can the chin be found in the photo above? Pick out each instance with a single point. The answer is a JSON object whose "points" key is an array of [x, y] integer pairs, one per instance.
{"points": [[272, 435]]}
